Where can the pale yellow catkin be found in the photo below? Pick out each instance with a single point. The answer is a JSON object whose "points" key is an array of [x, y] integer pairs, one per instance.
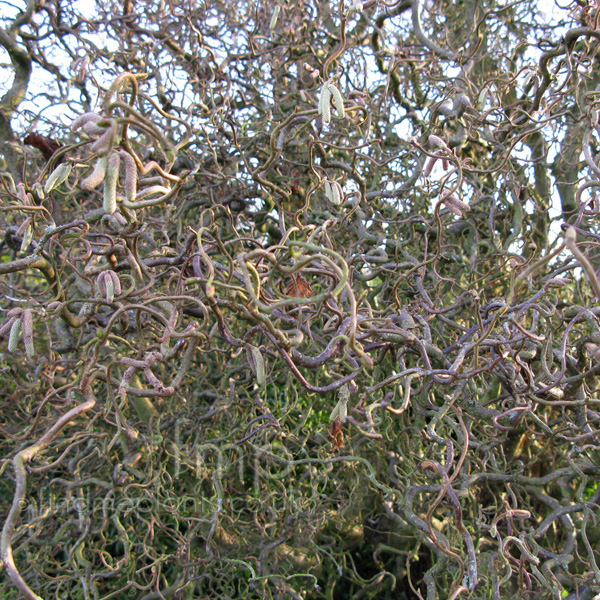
{"points": [[96, 177], [27, 325], [110, 183]]}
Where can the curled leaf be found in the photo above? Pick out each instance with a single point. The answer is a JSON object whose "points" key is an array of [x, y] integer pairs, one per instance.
{"points": [[47, 146], [340, 410], [299, 287]]}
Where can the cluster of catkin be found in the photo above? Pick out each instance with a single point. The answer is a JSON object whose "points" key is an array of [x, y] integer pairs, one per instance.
{"points": [[331, 94], [109, 158]]}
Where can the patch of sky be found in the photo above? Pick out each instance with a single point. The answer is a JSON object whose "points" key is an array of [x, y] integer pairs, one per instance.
{"points": [[85, 7]]}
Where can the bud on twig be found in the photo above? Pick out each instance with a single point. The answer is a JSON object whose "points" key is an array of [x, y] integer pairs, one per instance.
{"points": [[57, 177], [274, 18], [256, 363], [39, 190], [570, 235]]}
